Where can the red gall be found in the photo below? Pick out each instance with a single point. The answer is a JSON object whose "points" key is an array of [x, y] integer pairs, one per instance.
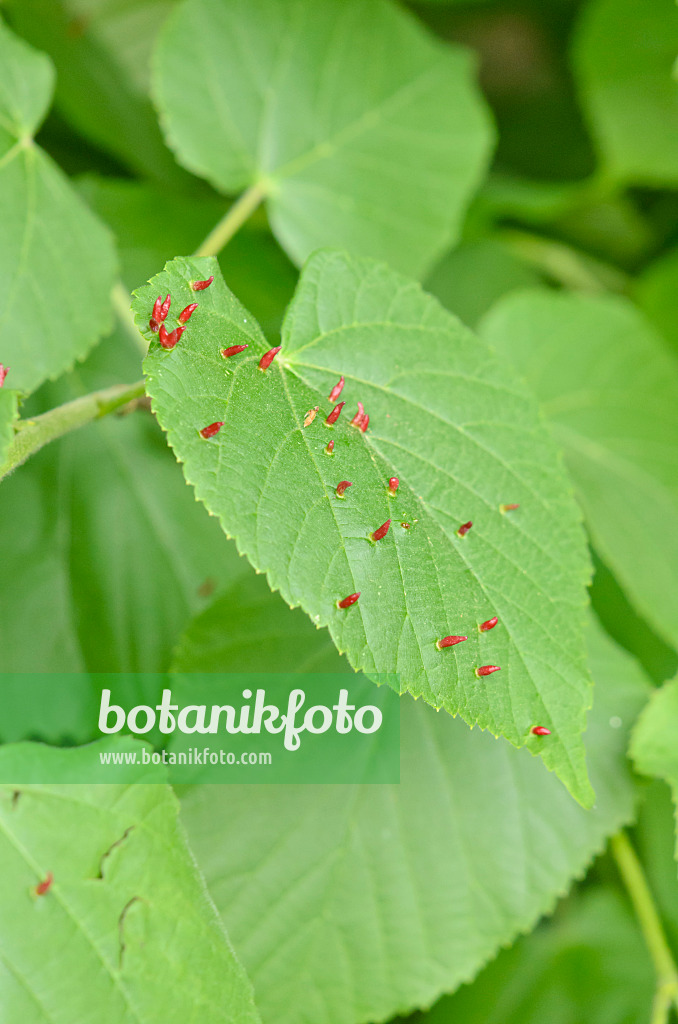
{"points": [[335, 414], [488, 624], [393, 486], [4, 370], [348, 601], [342, 487], [329, 448], [507, 508], [211, 430], [168, 341], [310, 416], [540, 730], [187, 313], [359, 416], [382, 531], [449, 641], [199, 286], [268, 357], [365, 424], [42, 888], [336, 390], [487, 670], [464, 528], [232, 351]]}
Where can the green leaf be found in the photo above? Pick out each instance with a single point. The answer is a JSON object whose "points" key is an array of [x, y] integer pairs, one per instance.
{"points": [[623, 57], [655, 292], [611, 390], [127, 932], [105, 553], [9, 411], [354, 903], [462, 435], [102, 86], [471, 279], [261, 629], [653, 744], [589, 965], [360, 129], [56, 260]]}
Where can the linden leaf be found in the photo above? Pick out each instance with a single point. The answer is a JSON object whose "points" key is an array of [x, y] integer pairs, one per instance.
{"points": [[360, 129], [473, 846], [125, 931], [463, 436], [610, 387], [56, 259]]}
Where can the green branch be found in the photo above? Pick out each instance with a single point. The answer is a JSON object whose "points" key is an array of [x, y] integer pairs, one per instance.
{"points": [[633, 876], [33, 434]]}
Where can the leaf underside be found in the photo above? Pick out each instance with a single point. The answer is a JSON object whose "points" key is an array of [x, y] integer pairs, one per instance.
{"points": [[427, 384], [363, 131], [57, 260]]}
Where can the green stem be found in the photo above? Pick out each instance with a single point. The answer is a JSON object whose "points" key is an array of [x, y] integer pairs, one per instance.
{"points": [[239, 212], [33, 434], [633, 876], [563, 264]]}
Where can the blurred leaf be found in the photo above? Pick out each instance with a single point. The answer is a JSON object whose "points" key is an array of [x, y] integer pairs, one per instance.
{"points": [[9, 410], [654, 837], [126, 932], [469, 280], [354, 903], [631, 632], [56, 260], [623, 57], [656, 292], [272, 485], [611, 391], [589, 965], [101, 49], [105, 551], [653, 744], [360, 129], [152, 225], [248, 624]]}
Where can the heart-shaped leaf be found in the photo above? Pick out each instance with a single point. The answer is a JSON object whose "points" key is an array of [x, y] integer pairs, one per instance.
{"points": [[463, 437], [359, 128], [56, 260]]}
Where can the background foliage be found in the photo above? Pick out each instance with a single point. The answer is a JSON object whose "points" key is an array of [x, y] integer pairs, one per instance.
{"points": [[517, 162]]}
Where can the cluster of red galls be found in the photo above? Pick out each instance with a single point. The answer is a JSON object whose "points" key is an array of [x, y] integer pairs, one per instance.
{"points": [[361, 420]]}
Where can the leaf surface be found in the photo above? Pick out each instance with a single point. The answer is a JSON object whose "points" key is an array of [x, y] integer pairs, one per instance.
{"points": [[56, 260], [461, 434], [362, 130], [127, 933], [624, 55], [102, 86], [9, 410], [610, 388], [105, 552], [653, 744], [350, 904]]}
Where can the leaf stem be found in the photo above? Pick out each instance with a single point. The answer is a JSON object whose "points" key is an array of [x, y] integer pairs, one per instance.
{"points": [[564, 264], [32, 434], [633, 876], [234, 219]]}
